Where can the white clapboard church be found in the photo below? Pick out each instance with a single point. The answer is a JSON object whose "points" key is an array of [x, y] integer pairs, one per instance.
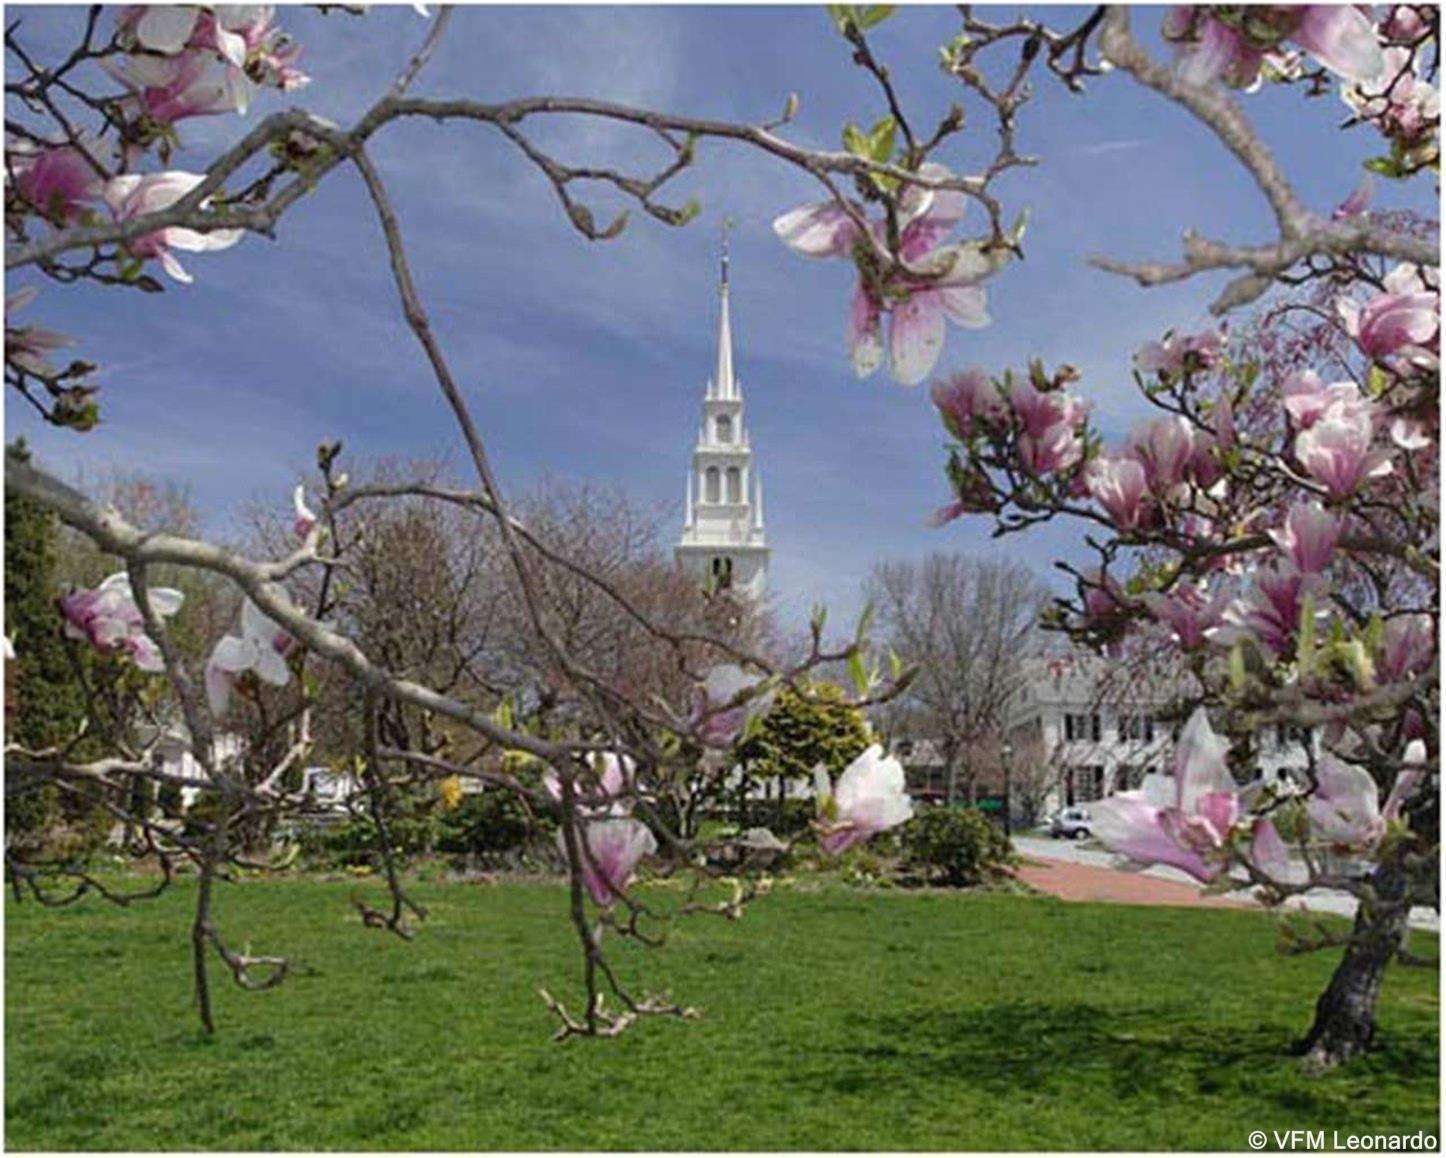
{"points": [[723, 543]]}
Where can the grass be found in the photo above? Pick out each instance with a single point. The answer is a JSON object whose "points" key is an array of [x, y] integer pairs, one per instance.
{"points": [[836, 1019]]}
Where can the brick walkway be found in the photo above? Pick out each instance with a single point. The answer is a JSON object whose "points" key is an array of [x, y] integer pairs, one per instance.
{"points": [[1080, 882]]}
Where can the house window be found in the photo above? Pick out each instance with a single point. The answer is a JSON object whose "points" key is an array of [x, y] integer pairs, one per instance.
{"points": [[1082, 726], [735, 485], [1288, 734], [1084, 783], [722, 573], [711, 485], [1136, 726], [725, 428]]}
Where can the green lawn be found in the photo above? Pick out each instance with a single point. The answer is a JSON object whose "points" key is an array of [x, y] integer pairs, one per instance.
{"points": [[834, 1020]]}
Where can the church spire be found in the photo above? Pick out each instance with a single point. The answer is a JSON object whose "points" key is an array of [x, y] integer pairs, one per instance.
{"points": [[724, 385], [723, 543]]}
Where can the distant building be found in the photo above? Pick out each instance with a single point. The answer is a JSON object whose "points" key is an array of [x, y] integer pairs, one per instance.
{"points": [[1085, 728], [723, 542], [926, 773], [177, 759], [329, 789]]}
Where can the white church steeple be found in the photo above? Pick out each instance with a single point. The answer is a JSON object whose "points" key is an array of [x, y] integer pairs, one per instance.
{"points": [[723, 384], [723, 542]]}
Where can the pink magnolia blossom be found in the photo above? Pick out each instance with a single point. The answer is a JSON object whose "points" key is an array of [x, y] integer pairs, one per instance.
{"points": [[1410, 434], [57, 180], [260, 649], [1308, 537], [1176, 354], [1336, 450], [1186, 820], [940, 282], [305, 519], [168, 89], [1201, 531], [1188, 610], [611, 851], [614, 779], [196, 61], [1403, 319], [1049, 421], [1270, 612], [1206, 464], [967, 398], [1210, 49], [1267, 851], [27, 347], [159, 28], [942, 516], [1404, 23], [1342, 38], [719, 721], [1306, 398], [868, 799], [1117, 483], [821, 230], [1165, 448], [1407, 648], [246, 37], [1414, 772], [1232, 44], [130, 196], [1403, 105], [108, 619], [1357, 203], [1102, 597], [1343, 809]]}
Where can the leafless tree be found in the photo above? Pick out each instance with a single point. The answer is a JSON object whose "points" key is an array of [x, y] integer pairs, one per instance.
{"points": [[967, 624]]}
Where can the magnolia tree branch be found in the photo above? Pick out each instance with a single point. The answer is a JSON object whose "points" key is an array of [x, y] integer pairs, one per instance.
{"points": [[113, 534], [1303, 234]]}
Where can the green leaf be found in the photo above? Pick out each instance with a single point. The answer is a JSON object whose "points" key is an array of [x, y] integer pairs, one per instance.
{"points": [[866, 621], [1021, 223], [873, 14], [858, 674], [881, 140], [1374, 632], [1305, 645], [855, 142], [1386, 167], [1362, 669]]}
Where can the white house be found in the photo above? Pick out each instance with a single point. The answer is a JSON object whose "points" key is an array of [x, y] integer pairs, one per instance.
{"points": [[1098, 728], [176, 759], [328, 788]]}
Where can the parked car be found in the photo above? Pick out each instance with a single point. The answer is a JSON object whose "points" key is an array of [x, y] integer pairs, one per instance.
{"points": [[1070, 823]]}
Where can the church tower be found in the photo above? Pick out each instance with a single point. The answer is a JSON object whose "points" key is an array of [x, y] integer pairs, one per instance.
{"points": [[723, 542]]}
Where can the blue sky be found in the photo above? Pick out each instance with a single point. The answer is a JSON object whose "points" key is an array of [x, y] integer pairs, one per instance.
{"points": [[588, 360]]}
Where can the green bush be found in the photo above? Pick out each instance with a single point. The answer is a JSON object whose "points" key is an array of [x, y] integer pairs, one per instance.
{"points": [[790, 820], [956, 846], [170, 800], [354, 843], [489, 825]]}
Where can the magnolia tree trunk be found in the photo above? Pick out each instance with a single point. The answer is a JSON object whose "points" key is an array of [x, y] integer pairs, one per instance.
{"points": [[1345, 1014]]}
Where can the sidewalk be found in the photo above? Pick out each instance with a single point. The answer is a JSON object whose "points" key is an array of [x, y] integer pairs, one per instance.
{"points": [[1071, 881], [1074, 873]]}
